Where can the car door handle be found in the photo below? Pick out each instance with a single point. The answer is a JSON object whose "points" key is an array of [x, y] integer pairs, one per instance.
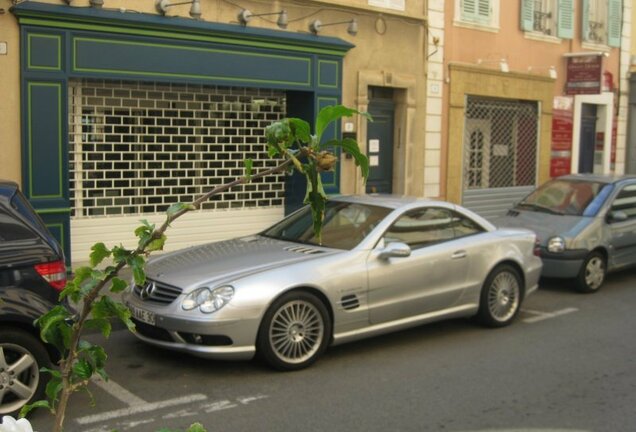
{"points": [[459, 254]]}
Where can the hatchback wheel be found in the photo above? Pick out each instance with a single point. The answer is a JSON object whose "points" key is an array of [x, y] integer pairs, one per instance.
{"points": [[500, 297], [21, 357], [592, 274], [294, 332]]}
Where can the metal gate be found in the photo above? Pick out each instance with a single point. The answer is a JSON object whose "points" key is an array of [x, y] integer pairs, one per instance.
{"points": [[500, 153]]}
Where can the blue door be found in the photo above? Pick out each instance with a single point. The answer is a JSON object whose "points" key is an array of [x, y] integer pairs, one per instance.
{"points": [[380, 145], [587, 141]]}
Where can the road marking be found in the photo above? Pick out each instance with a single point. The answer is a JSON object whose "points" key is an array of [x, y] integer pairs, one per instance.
{"points": [[541, 316], [207, 407], [136, 409], [117, 391]]}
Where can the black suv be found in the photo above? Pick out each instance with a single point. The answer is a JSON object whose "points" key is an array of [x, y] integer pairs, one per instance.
{"points": [[32, 273]]}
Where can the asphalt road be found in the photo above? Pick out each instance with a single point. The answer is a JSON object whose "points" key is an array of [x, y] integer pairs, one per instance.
{"points": [[567, 364]]}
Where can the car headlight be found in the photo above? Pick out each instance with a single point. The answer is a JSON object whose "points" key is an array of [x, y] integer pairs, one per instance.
{"points": [[556, 244], [208, 300]]}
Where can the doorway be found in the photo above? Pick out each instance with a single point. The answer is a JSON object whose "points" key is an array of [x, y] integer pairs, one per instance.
{"points": [[380, 140], [587, 141]]}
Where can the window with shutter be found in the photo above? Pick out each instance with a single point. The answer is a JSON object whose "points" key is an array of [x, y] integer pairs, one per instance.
{"points": [[565, 24], [481, 12], [539, 16], [602, 22]]}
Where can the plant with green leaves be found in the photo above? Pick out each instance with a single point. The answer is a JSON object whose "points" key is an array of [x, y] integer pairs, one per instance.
{"points": [[289, 140]]}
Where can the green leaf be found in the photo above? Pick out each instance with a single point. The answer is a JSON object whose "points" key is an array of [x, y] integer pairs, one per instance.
{"points": [[51, 322], [99, 252], [350, 146], [316, 198], [157, 244], [137, 265], [278, 134], [146, 227], [331, 113], [26, 409], [248, 163], [300, 130], [118, 285], [120, 254], [53, 388], [101, 324], [107, 308], [82, 370]]}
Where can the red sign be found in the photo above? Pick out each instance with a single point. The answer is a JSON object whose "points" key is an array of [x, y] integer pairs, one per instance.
{"points": [[560, 166], [584, 75], [562, 126]]}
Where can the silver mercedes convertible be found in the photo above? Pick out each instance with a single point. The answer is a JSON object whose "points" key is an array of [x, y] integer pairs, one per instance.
{"points": [[382, 264]]}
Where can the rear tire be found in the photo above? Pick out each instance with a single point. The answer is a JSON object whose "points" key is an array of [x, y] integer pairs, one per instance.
{"points": [[21, 357], [500, 299], [592, 274], [294, 332]]}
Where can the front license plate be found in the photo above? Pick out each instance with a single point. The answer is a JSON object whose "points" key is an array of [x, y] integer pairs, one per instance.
{"points": [[142, 315]]}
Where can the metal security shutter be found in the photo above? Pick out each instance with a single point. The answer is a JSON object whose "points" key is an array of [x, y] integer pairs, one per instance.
{"points": [[500, 153], [136, 148]]}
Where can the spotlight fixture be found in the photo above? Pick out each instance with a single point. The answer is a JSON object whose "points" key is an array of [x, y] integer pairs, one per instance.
{"points": [[245, 16], [352, 28], [195, 10]]}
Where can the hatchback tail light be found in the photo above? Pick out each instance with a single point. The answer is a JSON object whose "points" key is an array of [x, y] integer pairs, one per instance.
{"points": [[537, 247], [54, 273]]}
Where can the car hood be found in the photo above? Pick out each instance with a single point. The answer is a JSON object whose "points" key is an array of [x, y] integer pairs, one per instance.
{"points": [[545, 225], [229, 260]]}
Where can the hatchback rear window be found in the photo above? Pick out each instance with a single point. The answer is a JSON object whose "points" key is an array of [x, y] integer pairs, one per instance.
{"points": [[568, 197], [20, 222]]}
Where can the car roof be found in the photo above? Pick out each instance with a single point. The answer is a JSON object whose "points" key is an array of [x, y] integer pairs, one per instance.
{"points": [[384, 200], [600, 178]]}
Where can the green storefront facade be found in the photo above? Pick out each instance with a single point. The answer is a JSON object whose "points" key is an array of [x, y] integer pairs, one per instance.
{"points": [[61, 43]]}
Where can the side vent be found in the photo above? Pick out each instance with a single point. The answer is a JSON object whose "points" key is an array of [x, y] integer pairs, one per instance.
{"points": [[303, 250], [349, 302]]}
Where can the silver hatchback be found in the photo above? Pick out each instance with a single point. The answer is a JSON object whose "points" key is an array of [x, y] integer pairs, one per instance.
{"points": [[586, 225]]}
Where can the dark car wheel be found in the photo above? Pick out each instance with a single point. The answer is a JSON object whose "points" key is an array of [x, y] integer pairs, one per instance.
{"points": [[592, 274], [21, 357], [500, 297], [294, 332]]}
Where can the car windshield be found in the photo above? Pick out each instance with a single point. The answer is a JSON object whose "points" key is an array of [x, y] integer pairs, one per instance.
{"points": [[345, 225], [567, 197]]}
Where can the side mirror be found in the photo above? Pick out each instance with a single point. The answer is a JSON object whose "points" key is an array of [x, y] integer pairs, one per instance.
{"points": [[395, 250], [617, 216]]}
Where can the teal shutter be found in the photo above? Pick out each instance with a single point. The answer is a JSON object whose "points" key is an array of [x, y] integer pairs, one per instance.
{"points": [[565, 23], [469, 8], [483, 11], [585, 24], [477, 11], [614, 21], [527, 15]]}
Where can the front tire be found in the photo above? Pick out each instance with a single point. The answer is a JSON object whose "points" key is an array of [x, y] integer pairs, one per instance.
{"points": [[294, 332], [500, 299], [592, 274], [21, 357]]}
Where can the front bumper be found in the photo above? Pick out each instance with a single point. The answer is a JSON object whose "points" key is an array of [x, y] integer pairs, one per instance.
{"points": [[566, 264], [213, 338]]}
